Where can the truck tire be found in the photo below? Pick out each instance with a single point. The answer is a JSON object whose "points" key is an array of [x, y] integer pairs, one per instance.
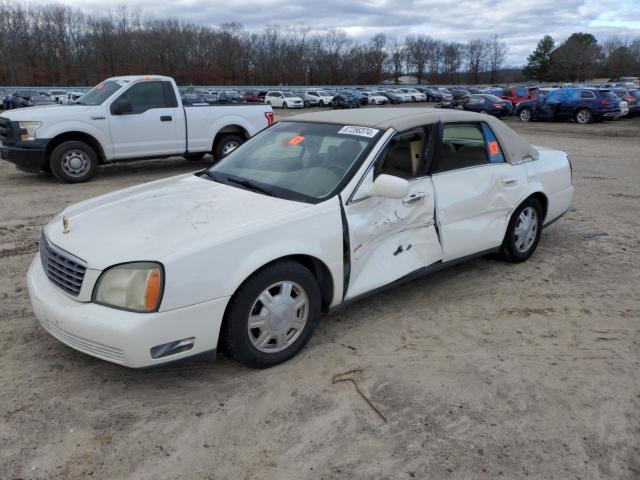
{"points": [[227, 144], [73, 162]]}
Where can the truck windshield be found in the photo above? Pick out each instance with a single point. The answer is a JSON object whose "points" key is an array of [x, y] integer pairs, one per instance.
{"points": [[99, 93], [297, 160]]}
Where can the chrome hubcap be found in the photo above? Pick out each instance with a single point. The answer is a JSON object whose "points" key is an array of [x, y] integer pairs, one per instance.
{"points": [[525, 115], [75, 163], [526, 229], [278, 317], [229, 147]]}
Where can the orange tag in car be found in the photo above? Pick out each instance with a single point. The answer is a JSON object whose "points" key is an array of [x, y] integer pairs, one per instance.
{"points": [[296, 140], [493, 148]]}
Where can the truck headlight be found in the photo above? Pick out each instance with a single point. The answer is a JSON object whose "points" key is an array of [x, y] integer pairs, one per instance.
{"points": [[136, 287], [31, 128]]}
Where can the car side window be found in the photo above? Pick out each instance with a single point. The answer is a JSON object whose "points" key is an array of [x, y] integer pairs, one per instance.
{"points": [[145, 96], [587, 95], [404, 157], [462, 146], [555, 97]]}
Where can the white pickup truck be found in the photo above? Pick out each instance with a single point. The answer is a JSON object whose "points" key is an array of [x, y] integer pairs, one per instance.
{"points": [[123, 118]]}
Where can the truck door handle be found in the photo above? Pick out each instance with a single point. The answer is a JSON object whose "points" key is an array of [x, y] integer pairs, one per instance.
{"points": [[509, 182], [166, 118], [413, 199], [97, 118]]}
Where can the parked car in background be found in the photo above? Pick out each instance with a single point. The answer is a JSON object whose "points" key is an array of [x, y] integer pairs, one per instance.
{"points": [[193, 99], [41, 101], [319, 210], [437, 94], [374, 99], [393, 97], [124, 118], [458, 93], [584, 105], [520, 94], [252, 96], [347, 99], [56, 95], [405, 96], [487, 104], [416, 96], [227, 96], [626, 95], [283, 99]]}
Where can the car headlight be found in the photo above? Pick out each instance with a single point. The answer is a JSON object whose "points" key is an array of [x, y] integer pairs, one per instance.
{"points": [[31, 128], [136, 286]]}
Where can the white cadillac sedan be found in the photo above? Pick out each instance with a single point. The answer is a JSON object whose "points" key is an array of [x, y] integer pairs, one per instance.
{"points": [[315, 211]]}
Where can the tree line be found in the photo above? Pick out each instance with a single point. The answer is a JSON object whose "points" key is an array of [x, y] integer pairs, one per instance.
{"points": [[580, 57], [59, 45]]}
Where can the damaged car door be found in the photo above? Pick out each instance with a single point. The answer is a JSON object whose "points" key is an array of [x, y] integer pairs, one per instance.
{"points": [[390, 238]]}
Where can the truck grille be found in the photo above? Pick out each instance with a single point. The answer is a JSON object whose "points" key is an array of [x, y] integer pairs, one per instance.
{"points": [[6, 131], [63, 269]]}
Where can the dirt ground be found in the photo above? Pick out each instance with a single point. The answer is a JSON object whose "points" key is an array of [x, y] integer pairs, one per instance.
{"points": [[488, 370]]}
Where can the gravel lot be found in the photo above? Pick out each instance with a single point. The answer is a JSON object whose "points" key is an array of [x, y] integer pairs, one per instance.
{"points": [[487, 370]]}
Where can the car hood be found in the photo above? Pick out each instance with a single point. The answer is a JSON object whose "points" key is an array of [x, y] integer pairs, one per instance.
{"points": [[58, 112], [158, 219]]}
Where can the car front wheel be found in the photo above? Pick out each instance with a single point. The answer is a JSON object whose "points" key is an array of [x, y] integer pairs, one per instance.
{"points": [[523, 232], [272, 315], [584, 116]]}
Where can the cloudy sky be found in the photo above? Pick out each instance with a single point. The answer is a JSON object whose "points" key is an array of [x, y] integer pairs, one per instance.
{"points": [[521, 22]]}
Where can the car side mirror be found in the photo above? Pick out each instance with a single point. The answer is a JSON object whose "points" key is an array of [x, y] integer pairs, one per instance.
{"points": [[121, 107], [388, 186]]}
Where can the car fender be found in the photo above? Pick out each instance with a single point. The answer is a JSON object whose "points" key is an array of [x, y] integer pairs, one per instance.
{"points": [[203, 272]]}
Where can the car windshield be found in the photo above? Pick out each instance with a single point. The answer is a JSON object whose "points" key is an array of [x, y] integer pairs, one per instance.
{"points": [[492, 98], [323, 93], [296, 160], [99, 93], [288, 94]]}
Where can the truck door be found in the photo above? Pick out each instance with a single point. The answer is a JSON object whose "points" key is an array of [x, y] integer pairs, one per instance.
{"points": [[144, 121]]}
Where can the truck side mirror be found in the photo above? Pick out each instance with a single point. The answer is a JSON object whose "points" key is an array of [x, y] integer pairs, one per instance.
{"points": [[121, 107]]}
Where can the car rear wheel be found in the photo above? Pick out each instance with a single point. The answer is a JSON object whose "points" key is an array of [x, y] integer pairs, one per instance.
{"points": [[525, 115], [73, 162], [284, 105], [321, 104], [584, 116], [523, 232], [272, 315]]}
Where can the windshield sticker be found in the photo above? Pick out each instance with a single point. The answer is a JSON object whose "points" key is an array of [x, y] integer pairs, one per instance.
{"points": [[296, 140], [359, 131], [493, 148]]}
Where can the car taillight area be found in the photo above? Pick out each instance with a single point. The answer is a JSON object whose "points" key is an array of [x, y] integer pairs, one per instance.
{"points": [[270, 118]]}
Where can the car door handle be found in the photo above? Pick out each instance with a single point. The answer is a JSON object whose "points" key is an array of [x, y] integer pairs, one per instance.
{"points": [[166, 118], [414, 199], [97, 118], [509, 182]]}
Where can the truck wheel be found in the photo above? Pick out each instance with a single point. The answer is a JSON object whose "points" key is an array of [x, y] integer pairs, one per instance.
{"points": [[584, 116], [194, 156], [226, 145], [272, 315], [523, 232], [73, 162]]}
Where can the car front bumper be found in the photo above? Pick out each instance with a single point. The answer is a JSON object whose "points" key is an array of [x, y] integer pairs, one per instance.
{"points": [[119, 336], [27, 156]]}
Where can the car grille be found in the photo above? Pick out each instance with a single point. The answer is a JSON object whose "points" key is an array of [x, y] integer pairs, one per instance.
{"points": [[6, 131], [63, 269]]}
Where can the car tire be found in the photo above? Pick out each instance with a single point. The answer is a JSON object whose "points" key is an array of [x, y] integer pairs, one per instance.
{"points": [[277, 337], [523, 232], [227, 144], [321, 103], [73, 162], [525, 115], [284, 105], [194, 157], [584, 116]]}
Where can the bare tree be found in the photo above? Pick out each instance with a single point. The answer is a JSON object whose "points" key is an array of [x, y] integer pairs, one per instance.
{"points": [[497, 51]]}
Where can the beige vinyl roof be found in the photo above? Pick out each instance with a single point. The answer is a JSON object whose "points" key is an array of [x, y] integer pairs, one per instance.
{"points": [[515, 147]]}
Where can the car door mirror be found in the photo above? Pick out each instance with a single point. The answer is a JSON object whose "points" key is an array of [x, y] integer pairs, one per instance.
{"points": [[122, 107], [389, 186]]}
